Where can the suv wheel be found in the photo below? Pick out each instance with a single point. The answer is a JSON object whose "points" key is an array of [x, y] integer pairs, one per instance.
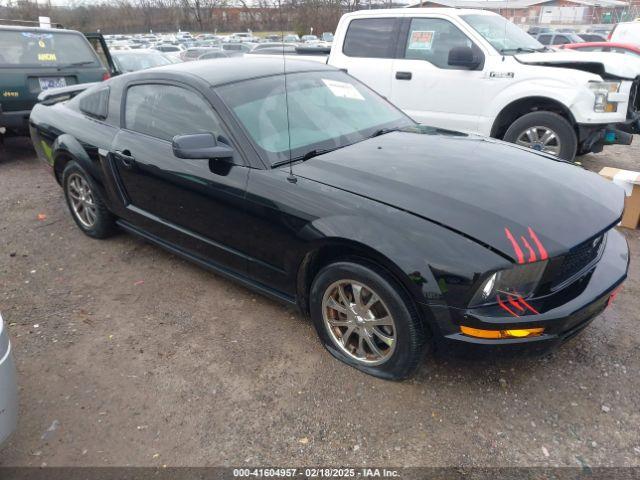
{"points": [[545, 132], [365, 320], [85, 204]]}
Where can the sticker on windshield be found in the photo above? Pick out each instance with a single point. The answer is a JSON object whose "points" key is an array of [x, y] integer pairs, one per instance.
{"points": [[343, 89], [421, 39]]}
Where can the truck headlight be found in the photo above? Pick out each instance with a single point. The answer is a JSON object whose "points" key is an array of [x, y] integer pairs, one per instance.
{"points": [[519, 280], [601, 90]]}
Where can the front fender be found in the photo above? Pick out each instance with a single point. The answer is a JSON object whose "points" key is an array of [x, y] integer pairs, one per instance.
{"points": [[436, 265]]}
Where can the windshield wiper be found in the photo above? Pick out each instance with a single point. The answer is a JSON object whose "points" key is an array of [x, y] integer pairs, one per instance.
{"points": [[76, 64], [518, 50], [383, 131], [310, 154]]}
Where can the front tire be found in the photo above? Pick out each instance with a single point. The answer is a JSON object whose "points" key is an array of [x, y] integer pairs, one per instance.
{"points": [[366, 320], [85, 203], [544, 131]]}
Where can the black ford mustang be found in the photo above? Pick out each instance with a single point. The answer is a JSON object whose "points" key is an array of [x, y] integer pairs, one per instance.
{"points": [[388, 234]]}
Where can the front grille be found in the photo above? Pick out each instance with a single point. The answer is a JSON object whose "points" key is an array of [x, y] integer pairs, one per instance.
{"points": [[578, 259]]}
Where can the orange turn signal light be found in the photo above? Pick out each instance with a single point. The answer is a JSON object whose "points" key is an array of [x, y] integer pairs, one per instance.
{"points": [[511, 333]]}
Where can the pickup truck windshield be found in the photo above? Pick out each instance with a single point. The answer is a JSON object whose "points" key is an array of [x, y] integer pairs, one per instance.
{"points": [[327, 110], [503, 35], [44, 49]]}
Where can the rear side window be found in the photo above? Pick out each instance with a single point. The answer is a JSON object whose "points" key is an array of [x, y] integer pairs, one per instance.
{"points": [[45, 49], [95, 104], [371, 38], [164, 111], [561, 40]]}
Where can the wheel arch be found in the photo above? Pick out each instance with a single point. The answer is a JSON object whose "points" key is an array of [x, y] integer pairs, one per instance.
{"points": [[522, 106], [342, 249]]}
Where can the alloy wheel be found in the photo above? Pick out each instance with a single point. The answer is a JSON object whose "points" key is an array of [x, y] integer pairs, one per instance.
{"points": [[82, 200], [542, 139], [359, 323]]}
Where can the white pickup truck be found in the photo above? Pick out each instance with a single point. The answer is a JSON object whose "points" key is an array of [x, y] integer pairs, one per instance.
{"points": [[474, 71]]}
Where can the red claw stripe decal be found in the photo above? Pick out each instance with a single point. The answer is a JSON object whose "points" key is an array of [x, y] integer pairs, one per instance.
{"points": [[539, 246], [505, 308], [516, 247], [518, 250]]}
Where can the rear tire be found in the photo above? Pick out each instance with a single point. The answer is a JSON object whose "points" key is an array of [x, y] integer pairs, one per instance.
{"points": [[530, 130], [365, 319], [85, 202]]}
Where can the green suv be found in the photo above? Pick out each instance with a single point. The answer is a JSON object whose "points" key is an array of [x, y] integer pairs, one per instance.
{"points": [[36, 59]]}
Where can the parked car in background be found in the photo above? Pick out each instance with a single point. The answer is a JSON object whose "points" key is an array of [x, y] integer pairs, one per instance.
{"points": [[242, 37], [168, 48], [193, 53], [534, 31], [239, 47], [555, 38], [36, 59], [135, 60], [592, 37], [474, 71], [626, 32], [220, 54], [394, 239], [8, 387], [309, 39], [614, 47], [291, 38], [327, 37]]}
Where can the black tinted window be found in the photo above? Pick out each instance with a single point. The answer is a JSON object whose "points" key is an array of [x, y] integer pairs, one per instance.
{"points": [[371, 38], [544, 39], [96, 103], [164, 111], [561, 40]]}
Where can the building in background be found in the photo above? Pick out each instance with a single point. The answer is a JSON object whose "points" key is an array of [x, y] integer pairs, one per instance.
{"points": [[549, 12]]}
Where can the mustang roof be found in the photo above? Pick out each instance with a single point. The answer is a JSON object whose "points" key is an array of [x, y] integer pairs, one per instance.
{"points": [[229, 70]]}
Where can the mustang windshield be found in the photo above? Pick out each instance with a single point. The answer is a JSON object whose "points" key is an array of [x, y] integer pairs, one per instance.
{"points": [[503, 35], [327, 110]]}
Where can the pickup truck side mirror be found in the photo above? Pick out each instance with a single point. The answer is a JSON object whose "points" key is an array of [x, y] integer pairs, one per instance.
{"points": [[464, 57], [202, 146]]}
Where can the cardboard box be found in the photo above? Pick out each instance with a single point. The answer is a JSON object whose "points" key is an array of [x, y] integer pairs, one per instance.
{"points": [[630, 182]]}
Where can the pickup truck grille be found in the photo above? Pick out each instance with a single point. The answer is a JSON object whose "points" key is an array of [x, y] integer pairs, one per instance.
{"points": [[578, 259]]}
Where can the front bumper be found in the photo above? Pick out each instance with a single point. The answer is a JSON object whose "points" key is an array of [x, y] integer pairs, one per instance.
{"points": [[593, 138], [560, 323], [8, 387]]}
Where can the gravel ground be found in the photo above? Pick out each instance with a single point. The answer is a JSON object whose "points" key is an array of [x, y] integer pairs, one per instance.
{"points": [[128, 355]]}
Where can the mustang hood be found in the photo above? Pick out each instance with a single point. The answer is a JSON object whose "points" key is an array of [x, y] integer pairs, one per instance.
{"points": [[605, 64], [480, 187]]}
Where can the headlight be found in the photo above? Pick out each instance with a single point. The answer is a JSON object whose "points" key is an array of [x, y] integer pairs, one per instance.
{"points": [[520, 281], [601, 90]]}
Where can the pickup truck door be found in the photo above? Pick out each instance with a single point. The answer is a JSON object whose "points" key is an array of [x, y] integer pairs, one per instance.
{"points": [[426, 87], [197, 205]]}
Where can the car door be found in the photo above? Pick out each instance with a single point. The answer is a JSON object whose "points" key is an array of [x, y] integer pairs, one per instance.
{"points": [[196, 205], [368, 50], [430, 90]]}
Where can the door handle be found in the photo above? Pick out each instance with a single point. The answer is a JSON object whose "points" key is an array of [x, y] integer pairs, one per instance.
{"points": [[126, 158], [403, 75]]}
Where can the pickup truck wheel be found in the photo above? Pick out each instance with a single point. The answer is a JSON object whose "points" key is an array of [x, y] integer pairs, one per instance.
{"points": [[85, 204], [365, 320], [545, 132]]}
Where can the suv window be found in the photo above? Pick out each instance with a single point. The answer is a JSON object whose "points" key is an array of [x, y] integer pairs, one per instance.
{"points": [[44, 49], [561, 40], [432, 39], [164, 111], [370, 38]]}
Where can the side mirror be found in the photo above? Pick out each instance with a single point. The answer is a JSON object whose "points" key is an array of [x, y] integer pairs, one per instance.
{"points": [[464, 57], [200, 146]]}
